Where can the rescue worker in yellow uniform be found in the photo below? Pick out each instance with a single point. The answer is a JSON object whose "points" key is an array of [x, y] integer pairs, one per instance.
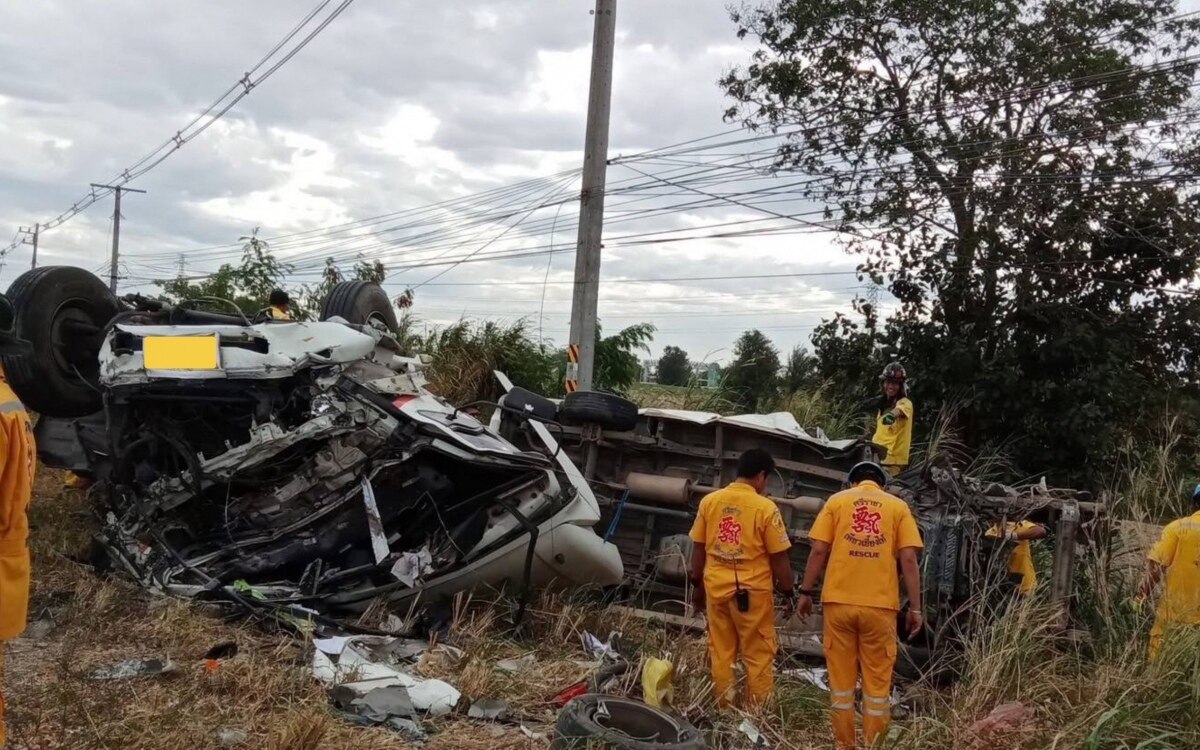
{"points": [[856, 541], [1020, 562], [894, 419], [280, 305], [739, 561], [1176, 557], [17, 460]]}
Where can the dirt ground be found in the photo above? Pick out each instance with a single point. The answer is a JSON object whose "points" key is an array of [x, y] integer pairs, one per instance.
{"points": [[82, 621]]}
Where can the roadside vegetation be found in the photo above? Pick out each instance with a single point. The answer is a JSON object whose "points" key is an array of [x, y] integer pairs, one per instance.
{"points": [[1091, 688]]}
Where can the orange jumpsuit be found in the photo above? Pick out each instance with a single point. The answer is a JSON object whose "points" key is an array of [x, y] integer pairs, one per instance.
{"points": [[278, 313], [866, 528], [740, 530], [1178, 550], [17, 460]]}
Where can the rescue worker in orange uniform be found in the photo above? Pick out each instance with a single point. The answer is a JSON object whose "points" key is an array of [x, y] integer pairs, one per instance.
{"points": [[1020, 562], [17, 460], [1176, 557], [857, 540], [894, 418], [280, 305], [739, 561]]}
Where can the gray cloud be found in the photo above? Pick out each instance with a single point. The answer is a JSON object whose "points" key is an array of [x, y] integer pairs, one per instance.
{"points": [[396, 105]]}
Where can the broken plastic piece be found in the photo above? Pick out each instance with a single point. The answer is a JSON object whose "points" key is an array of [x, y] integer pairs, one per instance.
{"points": [[571, 693], [818, 677], [381, 704], [757, 740], [434, 696], [360, 661], [516, 666], [413, 566], [656, 682], [133, 668], [379, 542], [408, 729], [488, 709], [599, 649], [332, 646], [243, 587]]}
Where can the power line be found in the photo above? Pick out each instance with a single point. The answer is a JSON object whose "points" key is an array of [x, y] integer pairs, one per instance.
{"points": [[199, 124]]}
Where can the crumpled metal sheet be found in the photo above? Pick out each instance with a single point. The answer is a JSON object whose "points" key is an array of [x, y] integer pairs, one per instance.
{"points": [[361, 669]]}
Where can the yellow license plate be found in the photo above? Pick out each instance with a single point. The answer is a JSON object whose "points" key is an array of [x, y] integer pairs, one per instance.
{"points": [[181, 353]]}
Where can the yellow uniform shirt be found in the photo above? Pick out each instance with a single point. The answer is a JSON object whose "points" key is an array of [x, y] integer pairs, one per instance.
{"points": [[1179, 551], [17, 458], [865, 528], [740, 529], [278, 313], [1021, 559], [896, 437]]}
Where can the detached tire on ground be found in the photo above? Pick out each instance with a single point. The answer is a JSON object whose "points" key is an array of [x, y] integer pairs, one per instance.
{"points": [[609, 411], [360, 303], [63, 312], [604, 721]]}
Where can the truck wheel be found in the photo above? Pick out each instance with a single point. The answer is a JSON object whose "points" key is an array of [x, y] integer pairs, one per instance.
{"points": [[604, 721], [62, 311], [360, 303], [609, 411]]}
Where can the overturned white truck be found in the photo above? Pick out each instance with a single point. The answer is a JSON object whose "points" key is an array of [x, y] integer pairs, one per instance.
{"points": [[649, 470], [308, 463]]}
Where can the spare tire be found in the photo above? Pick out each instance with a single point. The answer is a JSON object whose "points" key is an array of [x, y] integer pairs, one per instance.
{"points": [[605, 721], [360, 303], [63, 312], [604, 409]]}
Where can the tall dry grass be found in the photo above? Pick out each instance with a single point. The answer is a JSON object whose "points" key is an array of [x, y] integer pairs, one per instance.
{"points": [[820, 408]]}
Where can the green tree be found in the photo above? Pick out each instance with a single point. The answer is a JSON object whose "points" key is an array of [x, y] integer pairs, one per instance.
{"points": [[466, 354], [618, 365], [801, 371], [247, 285], [1009, 170], [752, 379], [674, 367]]}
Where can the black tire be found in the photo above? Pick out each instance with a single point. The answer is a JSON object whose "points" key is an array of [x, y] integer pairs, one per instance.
{"points": [[63, 312], [529, 402], [582, 723], [360, 303], [609, 411]]}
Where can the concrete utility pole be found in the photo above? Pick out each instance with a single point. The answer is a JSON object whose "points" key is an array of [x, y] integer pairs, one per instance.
{"points": [[586, 296], [116, 241], [32, 239]]}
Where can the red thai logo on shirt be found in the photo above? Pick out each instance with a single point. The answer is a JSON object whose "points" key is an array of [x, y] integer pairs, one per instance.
{"points": [[865, 521], [729, 531]]}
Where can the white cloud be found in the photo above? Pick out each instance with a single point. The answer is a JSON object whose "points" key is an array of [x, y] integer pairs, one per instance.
{"points": [[394, 106]]}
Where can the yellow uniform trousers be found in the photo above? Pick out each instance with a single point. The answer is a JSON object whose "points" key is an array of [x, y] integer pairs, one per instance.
{"points": [[751, 633], [859, 638]]}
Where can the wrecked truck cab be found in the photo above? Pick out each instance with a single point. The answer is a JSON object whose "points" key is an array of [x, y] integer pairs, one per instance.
{"points": [[649, 477], [305, 462]]}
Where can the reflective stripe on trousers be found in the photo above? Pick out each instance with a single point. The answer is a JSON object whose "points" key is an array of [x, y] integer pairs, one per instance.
{"points": [[859, 639]]}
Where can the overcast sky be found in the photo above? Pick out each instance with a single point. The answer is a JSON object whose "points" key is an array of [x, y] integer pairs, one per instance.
{"points": [[396, 105]]}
